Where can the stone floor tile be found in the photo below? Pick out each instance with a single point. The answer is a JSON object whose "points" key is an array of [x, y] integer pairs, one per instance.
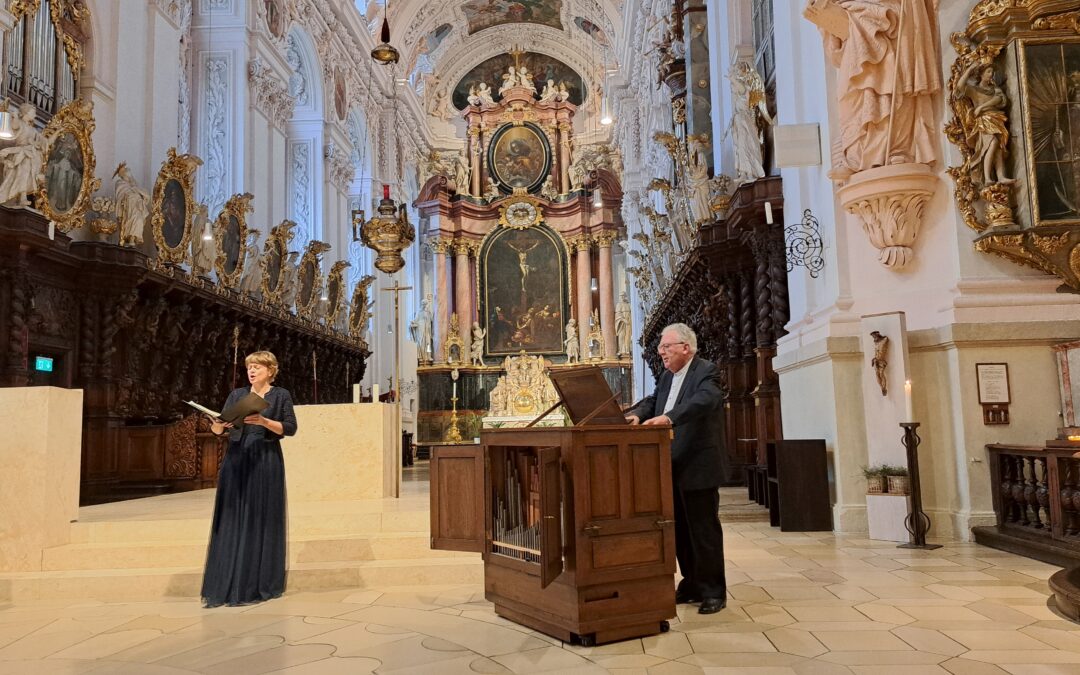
{"points": [[334, 665], [675, 668], [740, 660], [884, 613], [925, 640], [285, 656], [1018, 656], [730, 642], [969, 667], [800, 643], [863, 641], [1043, 669], [1057, 639], [543, 660], [297, 628], [826, 614], [671, 645], [995, 640], [924, 669], [202, 657], [48, 667], [107, 644], [876, 658]]}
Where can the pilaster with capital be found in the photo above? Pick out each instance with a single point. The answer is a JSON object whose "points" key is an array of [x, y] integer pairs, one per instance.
{"points": [[441, 247], [604, 240], [582, 246], [564, 157]]}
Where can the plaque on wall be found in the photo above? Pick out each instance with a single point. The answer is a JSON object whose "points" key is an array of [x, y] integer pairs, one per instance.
{"points": [[993, 385], [519, 157]]}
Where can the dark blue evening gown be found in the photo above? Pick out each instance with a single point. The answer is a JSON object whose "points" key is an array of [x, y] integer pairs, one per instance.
{"points": [[246, 559]]}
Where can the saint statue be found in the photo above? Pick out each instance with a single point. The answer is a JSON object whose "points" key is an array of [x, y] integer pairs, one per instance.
{"points": [[623, 325], [132, 207], [564, 93], [698, 177], [748, 99], [291, 270], [550, 92], [476, 349], [888, 79], [986, 124], [461, 173], [22, 161], [573, 349], [202, 250], [420, 330], [251, 282]]}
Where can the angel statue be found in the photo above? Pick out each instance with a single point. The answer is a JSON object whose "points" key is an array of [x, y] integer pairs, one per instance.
{"points": [[21, 162], [748, 97], [480, 95], [986, 124], [132, 206], [550, 92], [509, 79], [525, 79], [564, 93], [202, 250], [573, 349], [476, 349]]}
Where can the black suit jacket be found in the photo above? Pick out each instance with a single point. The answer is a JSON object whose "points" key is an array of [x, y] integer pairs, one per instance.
{"points": [[698, 421]]}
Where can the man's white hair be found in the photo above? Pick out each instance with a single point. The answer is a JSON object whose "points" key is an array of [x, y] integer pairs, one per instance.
{"points": [[684, 333]]}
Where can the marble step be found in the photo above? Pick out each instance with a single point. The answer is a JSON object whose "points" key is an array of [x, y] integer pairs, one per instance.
{"points": [[133, 585], [158, 554], [300, 525]]}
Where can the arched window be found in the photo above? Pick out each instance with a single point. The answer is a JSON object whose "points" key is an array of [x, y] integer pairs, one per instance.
{"points": [[43, 55]]}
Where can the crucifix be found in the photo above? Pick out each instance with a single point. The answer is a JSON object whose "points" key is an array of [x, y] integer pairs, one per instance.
{"points": [[396, 289]]}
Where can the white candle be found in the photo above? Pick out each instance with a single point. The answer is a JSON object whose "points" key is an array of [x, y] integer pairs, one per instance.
{"points": [[374, 393], [909, 414], [455, 389], [356, 393], [768, 213]]}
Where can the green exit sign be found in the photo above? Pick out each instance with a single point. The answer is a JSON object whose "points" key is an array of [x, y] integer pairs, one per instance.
{"points": [[43, 364]]}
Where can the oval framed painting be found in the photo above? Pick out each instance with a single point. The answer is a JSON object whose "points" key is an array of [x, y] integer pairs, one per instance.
{"points": [[519, 157], [66, 183]]}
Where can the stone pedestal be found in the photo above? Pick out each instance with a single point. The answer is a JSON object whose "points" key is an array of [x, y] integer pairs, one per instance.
{"points": [[39, 465], [345, 451], [885, 517]]}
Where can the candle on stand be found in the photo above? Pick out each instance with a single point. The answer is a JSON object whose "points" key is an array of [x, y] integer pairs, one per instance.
{"points": [[909, 414], [454, 395], [385, 191], [768, 213], [374, 393], [356, 393]]}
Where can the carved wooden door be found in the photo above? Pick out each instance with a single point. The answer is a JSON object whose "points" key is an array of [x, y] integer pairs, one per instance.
{"points": [[457, 498]]}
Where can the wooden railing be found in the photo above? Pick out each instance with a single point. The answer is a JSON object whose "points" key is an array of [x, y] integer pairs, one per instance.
{"points": [[1037, 492]]}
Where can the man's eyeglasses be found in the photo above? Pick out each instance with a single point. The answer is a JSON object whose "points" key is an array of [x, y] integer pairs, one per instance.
{"points": [[665, 346]]}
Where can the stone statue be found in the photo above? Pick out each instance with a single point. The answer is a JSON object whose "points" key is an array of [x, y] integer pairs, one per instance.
{"points": [[577, 177], [880, 361], [573, 349], [550, 92], [480, 95], [888, 79], [461, 173], [985, 124], [698, 177], [21, 162], [202, 251], [250, 283], [289, 287], [548, 190], [132, 207], [525, 79], [439, 103], [509, 79], [623, 325], [564, 93], [476, 349], [748, 99], [420, 330], [493, 192]]}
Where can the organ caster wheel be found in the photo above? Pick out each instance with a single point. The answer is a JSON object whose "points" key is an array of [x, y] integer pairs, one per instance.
{"points": [[664, 626], [588, 640]]}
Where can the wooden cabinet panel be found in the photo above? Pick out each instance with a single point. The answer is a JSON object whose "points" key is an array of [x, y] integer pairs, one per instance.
{"points": [[645, 492], [457, 498], [603, 471]]}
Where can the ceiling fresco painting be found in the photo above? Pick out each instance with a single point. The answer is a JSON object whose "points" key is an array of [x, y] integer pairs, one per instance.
{"points": [[592, 30], [481, 14], [542, 67]]}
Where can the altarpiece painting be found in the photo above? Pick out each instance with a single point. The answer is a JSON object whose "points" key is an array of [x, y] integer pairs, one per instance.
{"points": [[524, 299], [1051, 78]]}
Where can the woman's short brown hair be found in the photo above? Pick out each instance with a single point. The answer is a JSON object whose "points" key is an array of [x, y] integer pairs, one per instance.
{"points": [[263, 358]]}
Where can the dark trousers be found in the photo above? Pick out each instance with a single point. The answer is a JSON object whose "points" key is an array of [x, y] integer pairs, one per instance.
{"points": [[699, 543]]}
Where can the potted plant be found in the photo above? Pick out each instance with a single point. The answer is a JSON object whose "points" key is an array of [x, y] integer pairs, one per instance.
{"points": [[897, 477], [875, 479]]}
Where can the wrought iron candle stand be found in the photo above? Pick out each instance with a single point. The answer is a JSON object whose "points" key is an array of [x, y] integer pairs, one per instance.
{"points": [[917, 522]]}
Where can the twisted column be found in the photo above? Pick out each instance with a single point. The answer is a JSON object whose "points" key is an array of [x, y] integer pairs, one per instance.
{"points": [[604, 240]]}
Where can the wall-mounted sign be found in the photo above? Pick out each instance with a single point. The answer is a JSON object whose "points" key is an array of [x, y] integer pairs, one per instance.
{"points": [[43, 364], [993, 381]]}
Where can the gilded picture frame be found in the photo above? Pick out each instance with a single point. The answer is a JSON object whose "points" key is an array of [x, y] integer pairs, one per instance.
{"points": [[309, 279], [274, 261], [174, 206], [335, 284], [67, 182], [358, 308], [519, 156], [230, 235]]}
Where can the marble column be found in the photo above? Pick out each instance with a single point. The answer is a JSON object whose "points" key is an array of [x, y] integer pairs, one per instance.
{"points": [[604, 240], [582, 246], [463, 293], [442, 296]]}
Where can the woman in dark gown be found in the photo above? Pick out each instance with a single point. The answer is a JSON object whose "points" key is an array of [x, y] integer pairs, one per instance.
{"points": [[246, 560]]}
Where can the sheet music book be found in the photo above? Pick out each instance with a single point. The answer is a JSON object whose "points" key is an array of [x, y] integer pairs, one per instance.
{"points": [[829, 17], [248, 405]]}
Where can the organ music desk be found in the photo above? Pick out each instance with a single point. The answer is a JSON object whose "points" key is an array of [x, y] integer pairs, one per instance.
{"points": [[575, 524]]}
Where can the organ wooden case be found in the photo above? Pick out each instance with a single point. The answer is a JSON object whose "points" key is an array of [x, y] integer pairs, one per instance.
{"points": [[575, 525]]}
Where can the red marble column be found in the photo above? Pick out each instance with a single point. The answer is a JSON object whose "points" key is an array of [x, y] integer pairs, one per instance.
{"points": [[442, 297], [463, 293], [604, 240], [583, 246]]}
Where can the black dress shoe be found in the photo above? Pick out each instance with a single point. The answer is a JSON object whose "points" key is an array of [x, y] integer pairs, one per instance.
{"points": [[712, 605], [685, 598]]}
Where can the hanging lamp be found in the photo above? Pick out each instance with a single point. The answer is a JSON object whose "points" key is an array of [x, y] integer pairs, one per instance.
{"points": [[384, 52]]}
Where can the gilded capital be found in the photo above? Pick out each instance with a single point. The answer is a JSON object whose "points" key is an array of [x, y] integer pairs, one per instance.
{"points": [[464, 247], [579, 243], [605, 239], [440, 245]]}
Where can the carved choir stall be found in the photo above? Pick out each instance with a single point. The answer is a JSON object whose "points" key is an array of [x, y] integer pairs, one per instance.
{"points": [[575, 524], [155, 306], [521, 227]]}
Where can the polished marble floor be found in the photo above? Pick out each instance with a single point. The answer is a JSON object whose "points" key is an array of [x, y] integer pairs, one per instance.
{"points": [[812, 603]]}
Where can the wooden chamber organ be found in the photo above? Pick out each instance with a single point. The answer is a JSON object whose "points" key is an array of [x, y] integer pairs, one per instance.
{"points": [[575, 525]]}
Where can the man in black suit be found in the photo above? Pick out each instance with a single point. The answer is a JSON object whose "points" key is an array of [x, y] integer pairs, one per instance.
{"points": [[688, 398]]}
